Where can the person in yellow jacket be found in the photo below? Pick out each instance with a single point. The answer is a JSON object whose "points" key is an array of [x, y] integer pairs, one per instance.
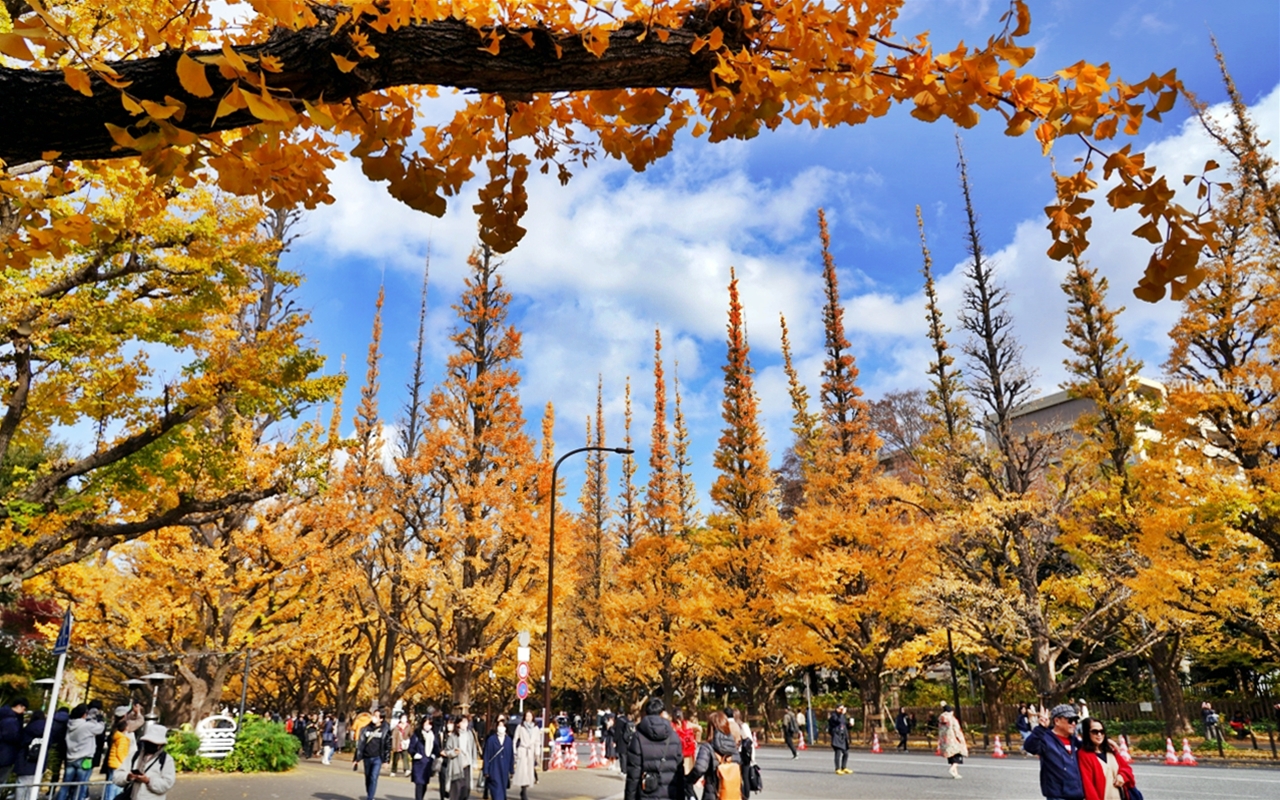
{"points": [[117, 755]]}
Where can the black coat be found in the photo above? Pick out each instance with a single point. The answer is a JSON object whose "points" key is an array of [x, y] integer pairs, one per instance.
{"points": [[374, 742], [418, 746], [655, 749], [25, 765], [903, 724], [10, 736], [838, 728]]}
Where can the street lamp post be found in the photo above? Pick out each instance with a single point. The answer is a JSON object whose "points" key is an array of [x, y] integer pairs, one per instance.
{"points": [[551, 572]]}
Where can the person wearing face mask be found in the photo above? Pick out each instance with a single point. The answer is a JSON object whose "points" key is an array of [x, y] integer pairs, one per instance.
{"points": [[499, 754], [444, 733], [461, 749], [421, 759], [528, 744], [150, 772]]}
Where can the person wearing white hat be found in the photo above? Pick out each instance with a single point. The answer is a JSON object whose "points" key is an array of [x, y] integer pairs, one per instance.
{"points": [[150, 772]]}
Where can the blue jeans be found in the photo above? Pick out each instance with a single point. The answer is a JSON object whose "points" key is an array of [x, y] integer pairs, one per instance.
{"points": [[73, 774], [372, 767], [111, 790]]}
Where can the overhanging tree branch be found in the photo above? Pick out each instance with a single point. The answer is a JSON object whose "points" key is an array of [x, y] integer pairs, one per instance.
{"points": [[43, 113]]}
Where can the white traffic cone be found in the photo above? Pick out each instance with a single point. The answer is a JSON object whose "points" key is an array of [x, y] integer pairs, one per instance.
{"points": [[1188, 760], [1123, 747], [571, 757], [875, 743], [1170, 757], [998, 751], [802, 745], [557, 757]]}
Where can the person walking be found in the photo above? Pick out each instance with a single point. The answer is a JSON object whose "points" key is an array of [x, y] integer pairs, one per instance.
{"points": [[151, 771], [790, 727], [444, 735], [623, 733], [951, 740], [902, 724], [1103, 772], [373, 747], [688, 733], [499, 762], [462, 753], [400, 733], [1055, 741], [328, 739], [838, 730], [655, 765], [718, 763], [421, 758], [83, 729], [528, 744]]}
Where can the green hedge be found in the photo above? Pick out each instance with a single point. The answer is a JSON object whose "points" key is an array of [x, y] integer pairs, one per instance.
{"points": [[261, 746]]}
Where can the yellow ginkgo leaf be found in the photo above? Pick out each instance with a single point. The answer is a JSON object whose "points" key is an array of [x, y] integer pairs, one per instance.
{"points": [[15, 46], [266, 108], [191, 76], [78, 79], [344, 64], [319, 116]]}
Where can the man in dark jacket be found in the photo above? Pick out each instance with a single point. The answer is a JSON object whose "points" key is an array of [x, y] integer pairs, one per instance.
{"points": [[623, 733], [1054, 740], [373, 747], [838, 730], [902, 724], [655, 761], [10, 737]]}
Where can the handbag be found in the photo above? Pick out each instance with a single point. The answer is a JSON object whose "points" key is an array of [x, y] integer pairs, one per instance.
{"points": [[754, 779], [1132, 793]]}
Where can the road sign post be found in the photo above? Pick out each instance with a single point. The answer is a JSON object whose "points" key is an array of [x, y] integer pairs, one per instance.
{"points": [[522, 671]]}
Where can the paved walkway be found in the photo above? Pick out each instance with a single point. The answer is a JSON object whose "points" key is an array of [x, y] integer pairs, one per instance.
{"points": [[314, 781]]}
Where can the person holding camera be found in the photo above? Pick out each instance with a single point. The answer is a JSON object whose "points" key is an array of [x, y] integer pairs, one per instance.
{"points": [[150, 773], [83, 730]]}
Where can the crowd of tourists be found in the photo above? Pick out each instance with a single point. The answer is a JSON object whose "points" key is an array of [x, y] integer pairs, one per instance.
{"points": [[124, 753]]}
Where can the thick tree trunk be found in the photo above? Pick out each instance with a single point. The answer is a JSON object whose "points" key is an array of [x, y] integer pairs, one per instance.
{"points": [[43, 113], [993, 686], [460, 684], [1163, 659]]}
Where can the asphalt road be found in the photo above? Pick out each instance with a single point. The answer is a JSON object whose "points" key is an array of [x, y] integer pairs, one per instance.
{"points": [[889, 776]]}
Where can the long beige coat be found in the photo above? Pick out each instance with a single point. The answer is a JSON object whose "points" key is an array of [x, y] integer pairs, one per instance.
{"points": [[528, 744]]}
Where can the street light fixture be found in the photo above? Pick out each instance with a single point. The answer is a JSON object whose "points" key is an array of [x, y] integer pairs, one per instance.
{"points": [[155, 679], [551, 573]]}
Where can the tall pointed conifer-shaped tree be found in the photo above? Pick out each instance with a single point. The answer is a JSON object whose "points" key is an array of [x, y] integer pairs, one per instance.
{"points": [[1214, 479], [797, 462], [686, 490], [853, 548], [756, 647], [661, 501], [629, 510], [484, 555]]}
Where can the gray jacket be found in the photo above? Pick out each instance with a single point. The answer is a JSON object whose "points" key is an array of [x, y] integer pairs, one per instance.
{"points": [[82, 738]]}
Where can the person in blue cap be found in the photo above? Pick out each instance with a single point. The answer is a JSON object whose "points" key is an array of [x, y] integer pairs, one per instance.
{"points": [[1055, 741]]}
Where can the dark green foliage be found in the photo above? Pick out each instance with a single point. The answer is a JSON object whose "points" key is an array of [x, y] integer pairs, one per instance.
{"points": [[262, 746]]}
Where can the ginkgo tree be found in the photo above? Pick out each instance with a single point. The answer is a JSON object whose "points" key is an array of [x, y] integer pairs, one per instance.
{"points": [[264, 107]]}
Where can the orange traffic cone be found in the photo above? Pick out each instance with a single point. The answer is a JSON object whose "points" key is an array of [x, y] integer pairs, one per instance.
{"points": [[998, 752], [1123, 748], [875, 743], [1188, 760], [1170, 757], [571, 757], [557, 757], [596, 760], [802, 745]]}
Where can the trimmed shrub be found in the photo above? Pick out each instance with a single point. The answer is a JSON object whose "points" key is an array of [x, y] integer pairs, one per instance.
{"points": [[262, 746]]}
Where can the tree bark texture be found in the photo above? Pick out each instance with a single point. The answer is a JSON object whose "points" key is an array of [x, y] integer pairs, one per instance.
{"points": [[42, 113]]}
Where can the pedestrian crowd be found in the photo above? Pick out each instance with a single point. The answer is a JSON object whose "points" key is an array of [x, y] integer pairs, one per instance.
{"points": [[126, 753]]}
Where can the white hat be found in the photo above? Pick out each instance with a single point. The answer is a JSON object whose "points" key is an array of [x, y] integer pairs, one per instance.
{"points": [[155, 733], [122, 711]]}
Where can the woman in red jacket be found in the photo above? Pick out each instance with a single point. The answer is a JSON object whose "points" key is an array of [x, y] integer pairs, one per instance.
{"points": [[1102, 771]]}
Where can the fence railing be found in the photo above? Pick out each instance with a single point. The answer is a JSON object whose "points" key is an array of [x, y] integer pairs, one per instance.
{"points": [[35, 790]]}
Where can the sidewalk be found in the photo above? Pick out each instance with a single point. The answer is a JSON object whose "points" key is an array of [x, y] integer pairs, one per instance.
{"points": [[313, 780]]}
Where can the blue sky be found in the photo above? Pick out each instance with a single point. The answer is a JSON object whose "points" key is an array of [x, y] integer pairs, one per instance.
{"points": [[616, 254]]}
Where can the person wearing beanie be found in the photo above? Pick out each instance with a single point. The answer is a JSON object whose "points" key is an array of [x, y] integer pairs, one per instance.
{"points": [[1055, 741]]}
